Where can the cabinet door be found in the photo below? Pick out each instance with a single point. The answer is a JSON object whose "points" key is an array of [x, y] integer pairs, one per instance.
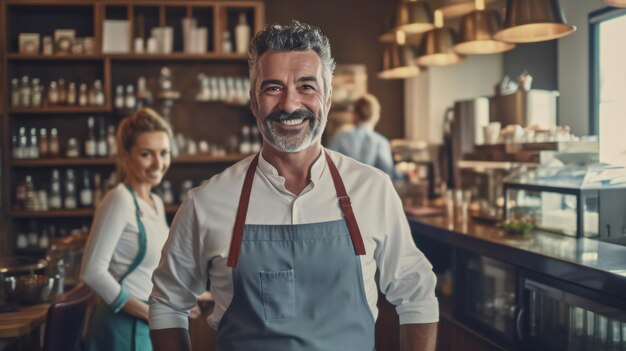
{"points": [[560, 316], [488, 296]]}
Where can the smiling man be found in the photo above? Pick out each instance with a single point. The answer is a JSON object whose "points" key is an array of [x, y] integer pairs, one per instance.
{"points": [[297, 240]]}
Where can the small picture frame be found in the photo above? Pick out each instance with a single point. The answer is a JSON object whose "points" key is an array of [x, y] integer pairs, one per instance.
{"points": [[29, 43], [64, 39]]}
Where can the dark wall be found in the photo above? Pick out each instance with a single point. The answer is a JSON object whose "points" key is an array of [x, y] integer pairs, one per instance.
{"points": [[353, 27], [539, 59]]}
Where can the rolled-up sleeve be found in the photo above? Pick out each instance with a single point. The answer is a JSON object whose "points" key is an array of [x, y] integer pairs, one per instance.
{"points": [[179, 278], [405, 274]]}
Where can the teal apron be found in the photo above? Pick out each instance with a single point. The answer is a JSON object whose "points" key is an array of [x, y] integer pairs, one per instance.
{"points": [[110, 331], [297, 287]]}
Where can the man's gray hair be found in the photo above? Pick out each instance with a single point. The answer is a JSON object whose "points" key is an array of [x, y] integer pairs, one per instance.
{"points": [[296, 36]]}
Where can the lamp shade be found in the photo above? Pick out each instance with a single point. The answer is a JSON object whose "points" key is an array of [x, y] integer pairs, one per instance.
{"points": [[399, 62], [437, 48], [477, 34], [456, 8], [414, 17], [528, 21], [616, 3]]}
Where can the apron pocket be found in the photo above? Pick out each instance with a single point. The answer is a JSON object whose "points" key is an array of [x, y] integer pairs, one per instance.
{"points": [[279, 298]]}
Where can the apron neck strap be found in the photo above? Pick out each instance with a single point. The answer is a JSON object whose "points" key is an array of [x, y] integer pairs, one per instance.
{"points": [[242, 211], [244, 200], [346, 207]]}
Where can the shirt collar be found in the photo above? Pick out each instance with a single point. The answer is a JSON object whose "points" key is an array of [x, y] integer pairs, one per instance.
{"points": [[278, 181]]}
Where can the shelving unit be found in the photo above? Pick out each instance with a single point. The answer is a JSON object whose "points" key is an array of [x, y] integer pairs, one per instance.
{"points": [[213, 122]]}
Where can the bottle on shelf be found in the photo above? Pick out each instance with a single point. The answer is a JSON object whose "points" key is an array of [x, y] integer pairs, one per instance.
{"points": [[245, 146], [72, 98], [72, 149], [69, 201], [129, 99], [119, 97], [16, 96], [33, 236], [256, 140], [86, 193], [62, 93], [102, 145], [227, 45], [111, 142], [30, 199], [37, 92], [55, 200], [16, 152], [22, 240], [96, 94], [53, 93], [44, 239], [25, 92], [90, 142], [83, 99], [23, 143], [53, 146], [43, 143], [33, 146], [42, 200], [242, 34]]}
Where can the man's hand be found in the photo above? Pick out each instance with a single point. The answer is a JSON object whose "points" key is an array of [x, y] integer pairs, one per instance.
{"points": [[418, 337], [174, 339]]}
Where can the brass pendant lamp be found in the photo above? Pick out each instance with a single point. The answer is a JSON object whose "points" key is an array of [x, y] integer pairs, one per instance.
{"points": [[529, 21], [437, 46], [399, 62], [456, 8], [477, 32], [616, 3], [414, 17]]}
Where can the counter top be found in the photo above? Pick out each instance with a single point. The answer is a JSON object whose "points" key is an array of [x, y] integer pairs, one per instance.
{"points": [[590, 263], [23, 321]]}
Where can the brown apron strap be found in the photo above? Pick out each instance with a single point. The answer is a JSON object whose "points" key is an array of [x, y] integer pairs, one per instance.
{"points": [[244, 199], [346, 207], [242, 211]]}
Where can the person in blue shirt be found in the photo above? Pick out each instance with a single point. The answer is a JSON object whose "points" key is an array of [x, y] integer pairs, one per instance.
{"points": [[363, 143]]}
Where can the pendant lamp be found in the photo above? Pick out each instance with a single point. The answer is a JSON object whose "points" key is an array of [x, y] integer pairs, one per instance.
{"points": [[456, 8], [414, 16], [529, 21], [437, 46], [616, 3], [477, 31], [399, 62]]}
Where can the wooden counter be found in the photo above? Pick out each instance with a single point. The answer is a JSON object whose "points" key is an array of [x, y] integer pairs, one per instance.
{"points": [[22, 322]]}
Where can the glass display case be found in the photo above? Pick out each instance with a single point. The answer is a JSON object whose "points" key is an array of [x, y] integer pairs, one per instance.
{"points": [[576, 201]]}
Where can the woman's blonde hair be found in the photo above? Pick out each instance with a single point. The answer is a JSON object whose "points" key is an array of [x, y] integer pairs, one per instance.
{"points": [[142, 121]]}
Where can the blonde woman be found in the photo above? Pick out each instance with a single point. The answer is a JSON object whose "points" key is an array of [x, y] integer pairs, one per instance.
{"points": [[127, 235]]}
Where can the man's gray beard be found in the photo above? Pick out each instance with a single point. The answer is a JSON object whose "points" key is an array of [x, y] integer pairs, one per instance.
{"points": [[282, 142]]}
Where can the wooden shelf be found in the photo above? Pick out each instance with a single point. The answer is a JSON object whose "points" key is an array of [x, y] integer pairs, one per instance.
{"points": [[110, 161], [195, 159], [59, 109], [171, 209], [177, 56], [79, 212], [14, 56], [65, 161]]}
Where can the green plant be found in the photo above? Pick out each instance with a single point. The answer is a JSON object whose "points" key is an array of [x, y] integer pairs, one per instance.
{"points": [[516, 226]]}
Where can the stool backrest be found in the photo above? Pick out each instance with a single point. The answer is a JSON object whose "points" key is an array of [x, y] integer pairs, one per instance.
{"points": [[66, 319]]}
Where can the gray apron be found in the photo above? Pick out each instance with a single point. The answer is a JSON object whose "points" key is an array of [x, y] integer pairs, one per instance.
{"points": [[297, 287]]}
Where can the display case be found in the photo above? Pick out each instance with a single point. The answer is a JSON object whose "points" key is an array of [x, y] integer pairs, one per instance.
{"points": [[574, 201]]}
